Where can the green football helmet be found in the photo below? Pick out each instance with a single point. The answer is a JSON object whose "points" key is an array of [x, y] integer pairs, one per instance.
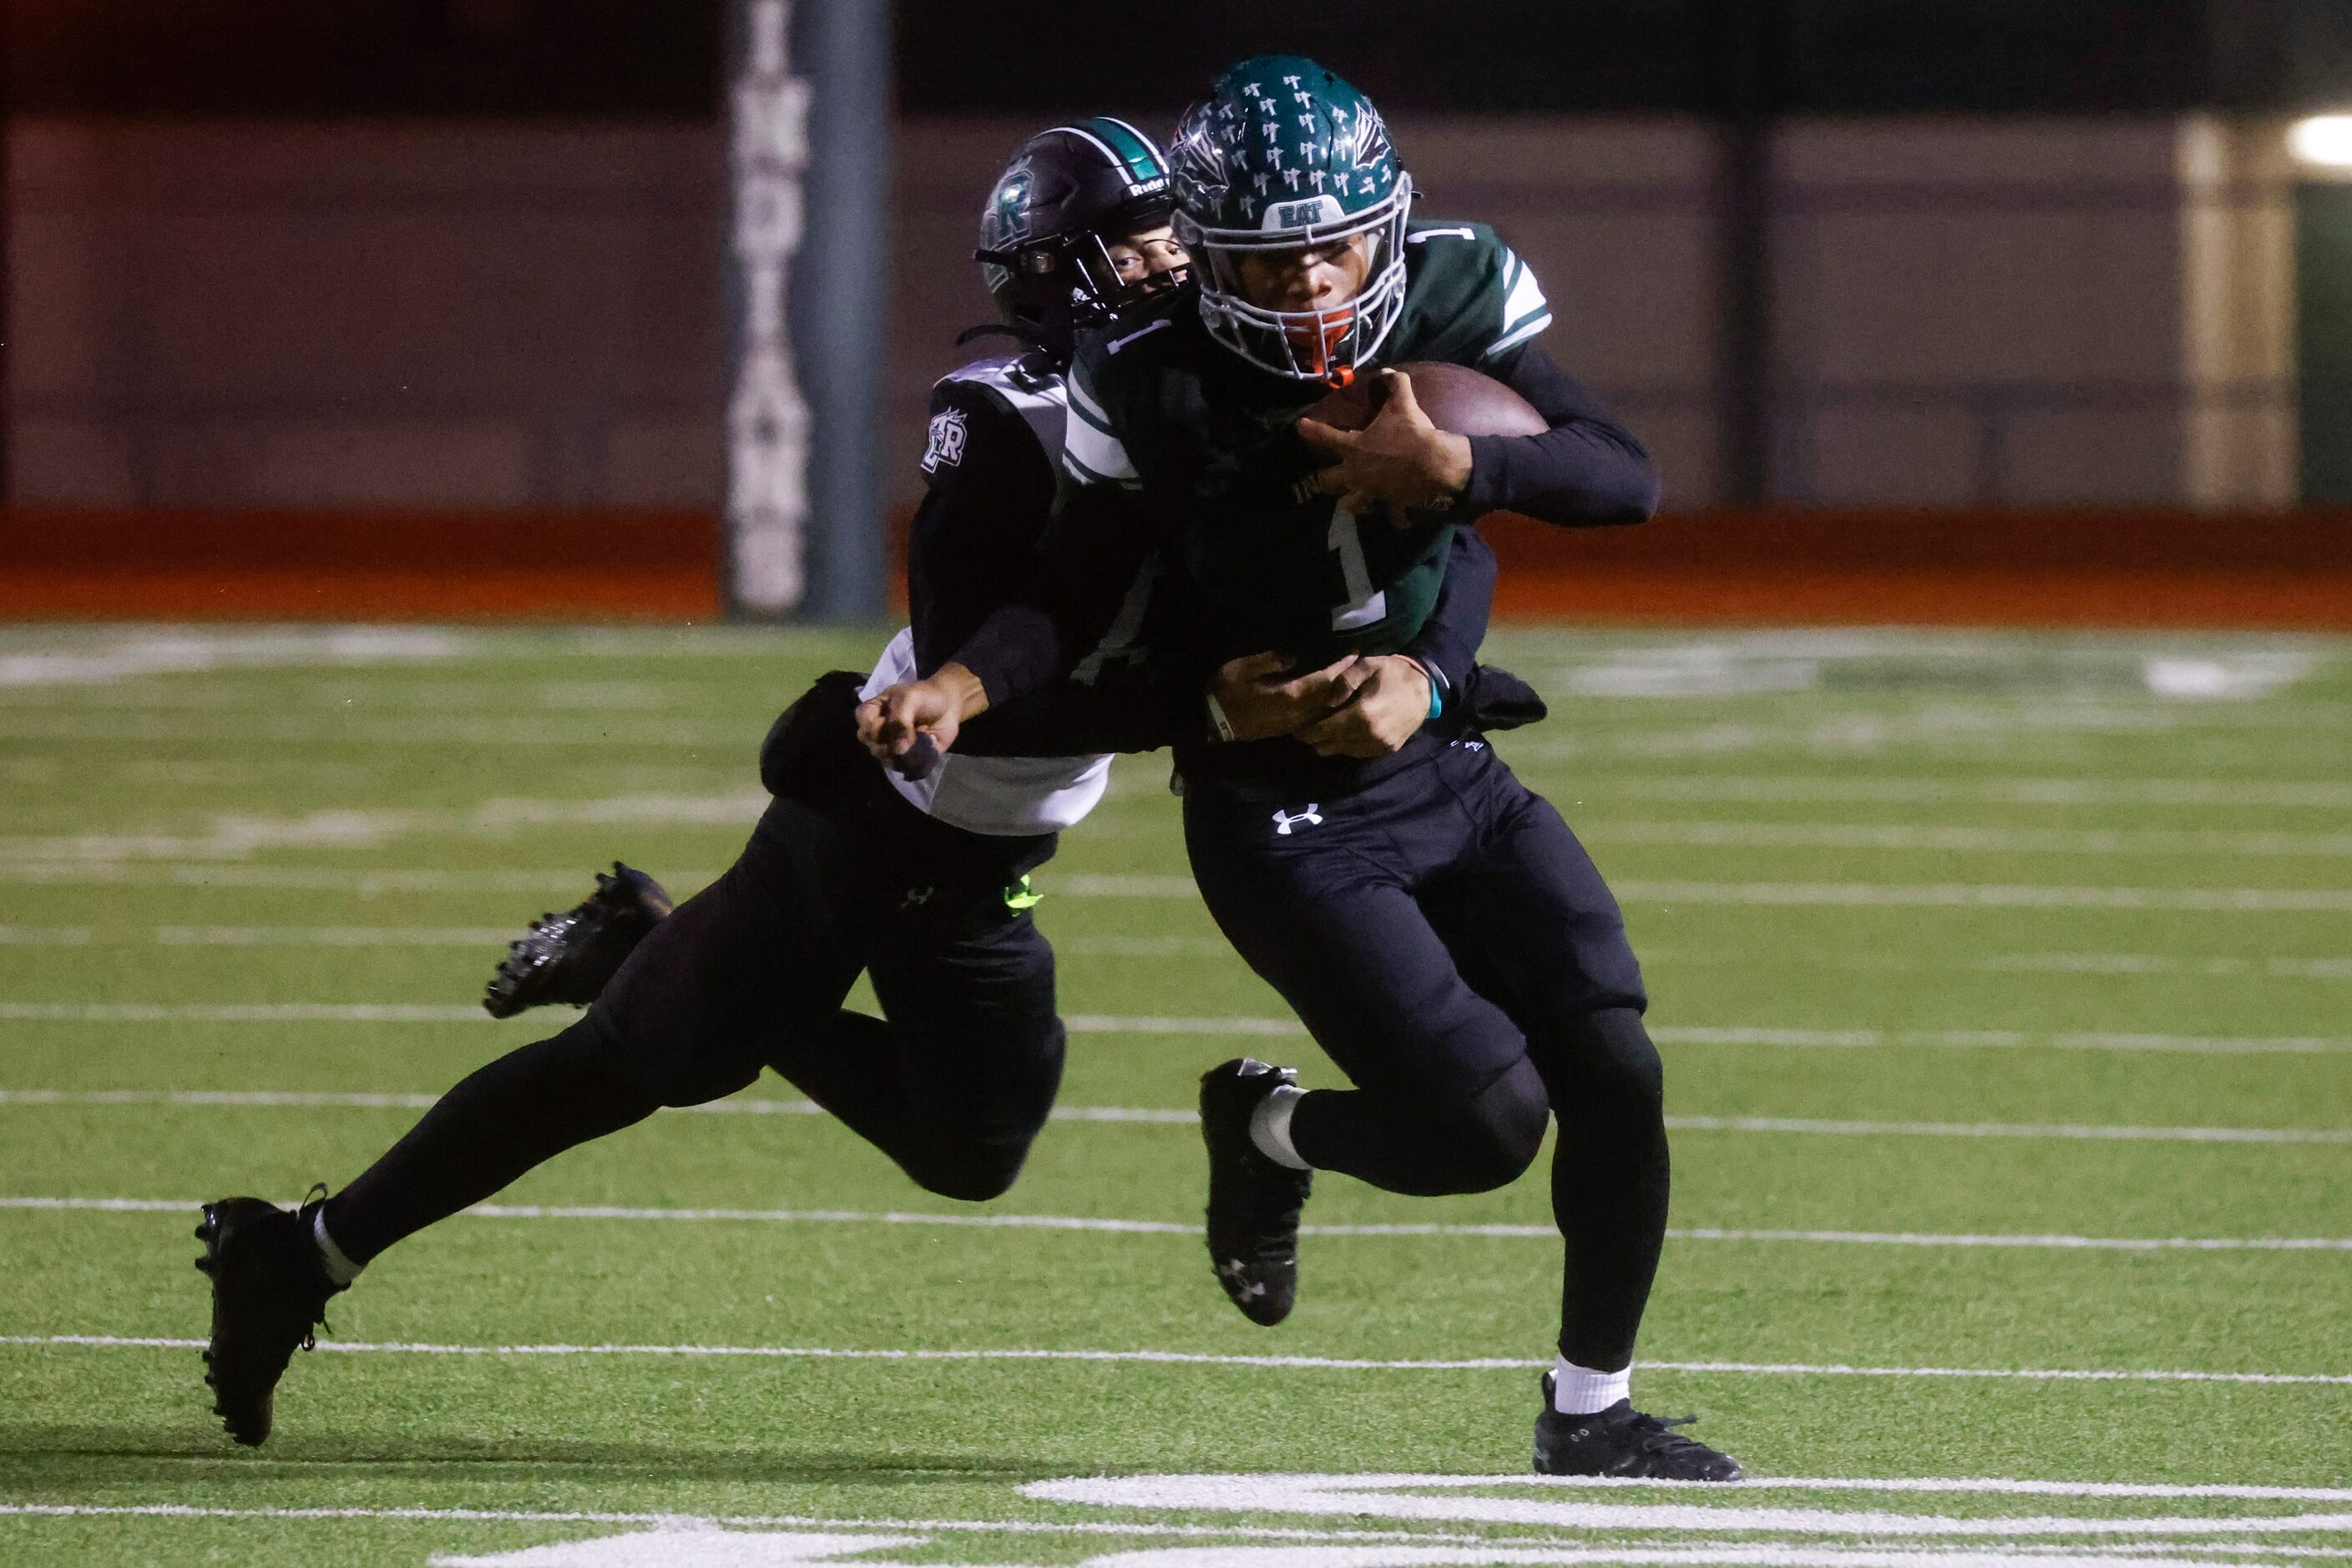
{"points": [[1283, 155]]}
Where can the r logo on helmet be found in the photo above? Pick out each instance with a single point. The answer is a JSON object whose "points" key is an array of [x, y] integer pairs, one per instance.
{"points": [[947, 441]]}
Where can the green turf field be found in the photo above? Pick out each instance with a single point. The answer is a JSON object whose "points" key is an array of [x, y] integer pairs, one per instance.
{"points": [[2005, 985]]}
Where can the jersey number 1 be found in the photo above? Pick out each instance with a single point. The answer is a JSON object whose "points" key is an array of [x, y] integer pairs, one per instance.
{"points": [[1366, 606]]}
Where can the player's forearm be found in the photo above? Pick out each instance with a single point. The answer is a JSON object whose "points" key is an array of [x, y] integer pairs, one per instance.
{"points": [[1587, 469], [1066, 719], [1016, 652], [1447, 644]]}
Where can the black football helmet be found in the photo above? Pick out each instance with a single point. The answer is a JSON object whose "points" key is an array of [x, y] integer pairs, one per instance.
{"points": [[1046, 229]]}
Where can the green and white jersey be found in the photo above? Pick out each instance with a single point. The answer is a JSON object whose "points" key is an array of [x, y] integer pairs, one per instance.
{"points": [[1259, 559]]}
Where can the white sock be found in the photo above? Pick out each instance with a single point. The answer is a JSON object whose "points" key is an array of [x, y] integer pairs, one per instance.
{"points": [[341, 1271], [1270, 1126], [1580, 1390]]}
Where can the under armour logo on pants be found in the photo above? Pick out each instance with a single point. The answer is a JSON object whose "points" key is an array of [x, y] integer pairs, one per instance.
{"points": [[1312, 817]]}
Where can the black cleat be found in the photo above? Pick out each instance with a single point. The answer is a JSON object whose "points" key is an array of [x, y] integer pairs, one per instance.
{"points": [[1621, 1441], [1254, 1202], [571, 956], [268, 1291]]}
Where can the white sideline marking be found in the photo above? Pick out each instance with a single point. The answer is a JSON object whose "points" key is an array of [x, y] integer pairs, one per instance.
{"points": [[1171, 1227], [1171, 1117], [1106, 1024], [1952, 839], [1410, 1497], [1993, 896], [1195, 1358], [550, 1516], [2324, 794]]}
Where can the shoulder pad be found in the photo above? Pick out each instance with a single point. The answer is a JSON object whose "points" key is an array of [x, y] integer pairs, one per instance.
{"points": [[1473, 291], [1014, 384]]}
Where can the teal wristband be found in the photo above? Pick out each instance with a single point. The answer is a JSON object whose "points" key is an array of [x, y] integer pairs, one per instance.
{"points": [[1437, 696]]}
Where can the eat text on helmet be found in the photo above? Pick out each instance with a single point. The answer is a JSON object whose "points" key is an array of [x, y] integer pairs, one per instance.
{"points": [[1047, 229], [1283, 157]]}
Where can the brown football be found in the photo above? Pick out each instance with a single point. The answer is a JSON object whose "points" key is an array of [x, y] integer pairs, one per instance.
{"points": [[1455, 398]]}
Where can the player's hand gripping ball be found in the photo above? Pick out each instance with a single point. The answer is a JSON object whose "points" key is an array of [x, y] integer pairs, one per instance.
{"points": [[1400, 439]]}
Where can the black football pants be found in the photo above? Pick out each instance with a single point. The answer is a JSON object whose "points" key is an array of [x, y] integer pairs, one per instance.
{"points": [[1455, 950], [751, 972]]}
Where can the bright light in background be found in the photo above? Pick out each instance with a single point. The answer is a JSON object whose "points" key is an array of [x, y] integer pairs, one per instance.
{"points": [[2324, 141]]}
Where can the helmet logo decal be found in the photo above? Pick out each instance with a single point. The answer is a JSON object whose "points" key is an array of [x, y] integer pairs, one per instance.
{"points": [[947, 441]]}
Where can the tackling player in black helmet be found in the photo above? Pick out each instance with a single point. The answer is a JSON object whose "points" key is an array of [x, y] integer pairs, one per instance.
{"points": [[920, 883], [1076, 227]]}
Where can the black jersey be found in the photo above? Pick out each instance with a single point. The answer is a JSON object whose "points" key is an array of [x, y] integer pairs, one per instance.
{"points": [[989, 472]]}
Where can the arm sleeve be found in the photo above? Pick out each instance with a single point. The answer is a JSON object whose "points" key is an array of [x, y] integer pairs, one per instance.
{"points": [[1586, 470], [1447, 646], [1125, 711], [1093, 550]]}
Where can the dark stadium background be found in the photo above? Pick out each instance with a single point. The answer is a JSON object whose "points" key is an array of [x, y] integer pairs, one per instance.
{"points": [[95, 455]]}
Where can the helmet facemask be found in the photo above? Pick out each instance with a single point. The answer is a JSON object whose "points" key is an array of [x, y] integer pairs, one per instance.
{"points": [[1320, 345]]}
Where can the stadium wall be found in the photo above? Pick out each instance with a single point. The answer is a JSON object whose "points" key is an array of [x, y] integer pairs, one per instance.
{"points": [[254, 332]]}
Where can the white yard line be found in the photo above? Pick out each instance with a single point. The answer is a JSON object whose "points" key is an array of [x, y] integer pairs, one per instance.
{"points": [[1990, 896], [573, 879], [2003, 1039], [176, 652], [237, 836], [2095, 1131], [2068, 1132], [1085, 885], [1489, 1499], [1194, 1358], [497, 937], [2328, 794], [1952, 839], [279, 729], [492, 937], [737, 1521], [1188, 1227], [1224, 1026]]}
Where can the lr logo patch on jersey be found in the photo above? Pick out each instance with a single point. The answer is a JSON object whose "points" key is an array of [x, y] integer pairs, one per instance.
{"points": [[947, 441], [1283, 821]]}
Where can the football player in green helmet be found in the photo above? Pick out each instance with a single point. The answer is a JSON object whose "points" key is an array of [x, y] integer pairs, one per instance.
{"points": [[1294, 203], [1431, 921]]}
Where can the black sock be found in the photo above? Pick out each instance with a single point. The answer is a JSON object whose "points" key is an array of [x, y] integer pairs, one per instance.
{"points": [[519, 1111], [1610, 1180]]}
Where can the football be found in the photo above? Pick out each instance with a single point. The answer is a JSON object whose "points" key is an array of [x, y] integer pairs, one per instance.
{"points": [[1455, 398]]}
